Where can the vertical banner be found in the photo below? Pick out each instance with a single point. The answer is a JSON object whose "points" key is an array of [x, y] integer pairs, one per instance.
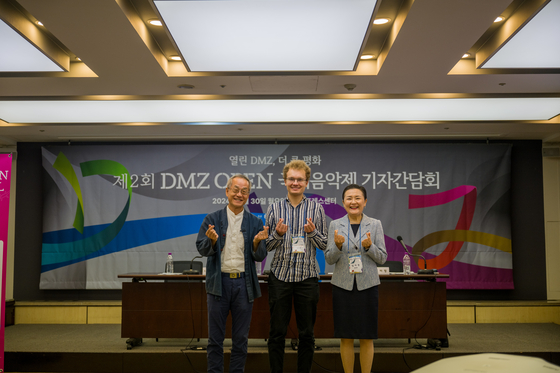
{"points": [[5, 176]]}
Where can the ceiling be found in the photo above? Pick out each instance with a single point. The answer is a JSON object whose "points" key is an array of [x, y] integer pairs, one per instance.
{"points": [[417, 56]]}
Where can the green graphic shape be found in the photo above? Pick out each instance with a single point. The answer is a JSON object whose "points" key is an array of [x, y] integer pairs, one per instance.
{"points": [[72, 251], [63, 165]]}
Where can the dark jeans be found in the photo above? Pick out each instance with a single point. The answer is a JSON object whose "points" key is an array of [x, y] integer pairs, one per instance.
{"points": [[234, 297], [305, 295]]}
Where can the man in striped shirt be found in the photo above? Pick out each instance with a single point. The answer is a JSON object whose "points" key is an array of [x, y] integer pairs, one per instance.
{"points": [[297, 227]]}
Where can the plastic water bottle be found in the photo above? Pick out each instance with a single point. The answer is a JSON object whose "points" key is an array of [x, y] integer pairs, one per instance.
{"points": [[169, 264], [406, 264]]}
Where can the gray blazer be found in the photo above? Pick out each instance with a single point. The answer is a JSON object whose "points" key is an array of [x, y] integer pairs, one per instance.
{"points": [[377, 254]]}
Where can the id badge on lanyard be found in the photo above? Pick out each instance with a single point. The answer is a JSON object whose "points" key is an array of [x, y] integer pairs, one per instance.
{"points": [[354, 260], [298, 244], [355, 263]]}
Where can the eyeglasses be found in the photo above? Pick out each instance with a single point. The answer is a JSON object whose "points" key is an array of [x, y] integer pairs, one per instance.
{"points": [[292, 180], [244, 192]]}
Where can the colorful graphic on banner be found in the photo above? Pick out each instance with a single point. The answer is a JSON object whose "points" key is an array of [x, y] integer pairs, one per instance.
{"points": [[5, 177], [120, 209]]}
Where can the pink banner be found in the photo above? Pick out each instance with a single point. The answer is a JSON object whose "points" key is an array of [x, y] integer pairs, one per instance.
{"points": [[5, 176]]}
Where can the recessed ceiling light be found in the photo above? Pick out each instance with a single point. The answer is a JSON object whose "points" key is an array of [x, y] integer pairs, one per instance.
{"points": [[39, 23], [367, 56], [19, 55], [278, 110], [499, 19], [78, 59], [381, 21], [466, 55], [304, 35], [155, 22], [175, 58], [535, 45]]}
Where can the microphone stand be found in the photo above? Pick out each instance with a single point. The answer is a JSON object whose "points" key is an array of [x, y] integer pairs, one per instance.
{"points": [[192, 271], [424, 271]]}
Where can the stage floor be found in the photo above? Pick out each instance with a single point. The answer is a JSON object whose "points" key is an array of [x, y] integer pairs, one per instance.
{"points": [[99, 348]]}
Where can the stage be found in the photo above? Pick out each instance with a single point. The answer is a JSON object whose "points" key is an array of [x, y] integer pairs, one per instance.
{"points": [[99, 348]]}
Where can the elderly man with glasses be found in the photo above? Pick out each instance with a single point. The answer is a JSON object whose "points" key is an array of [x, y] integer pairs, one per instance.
{"points": [[232, 239]]}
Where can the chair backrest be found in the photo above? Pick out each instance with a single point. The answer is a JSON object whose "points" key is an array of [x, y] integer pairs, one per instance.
{"points": [[180, 265], [394, 266]]}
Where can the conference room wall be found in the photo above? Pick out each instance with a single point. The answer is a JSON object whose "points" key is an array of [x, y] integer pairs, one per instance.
{"points": [[551, 190], [528, 239]]}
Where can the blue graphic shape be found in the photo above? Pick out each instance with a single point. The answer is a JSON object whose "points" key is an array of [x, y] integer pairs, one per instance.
{"points": [[261, 216], [56, 245], [320, 255]]}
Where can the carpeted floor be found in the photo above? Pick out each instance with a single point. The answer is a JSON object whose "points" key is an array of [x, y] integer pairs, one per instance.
{"points": [[30, 347]]}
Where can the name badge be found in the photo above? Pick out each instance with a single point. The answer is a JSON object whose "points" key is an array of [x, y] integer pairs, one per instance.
{"points": [[355, 263], [298, 244]]}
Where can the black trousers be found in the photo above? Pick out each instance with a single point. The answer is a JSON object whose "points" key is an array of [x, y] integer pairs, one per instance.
{"points": [[305, 295]]}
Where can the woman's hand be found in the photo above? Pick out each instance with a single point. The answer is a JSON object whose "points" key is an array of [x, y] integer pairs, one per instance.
{"points": [[338, 240], [367, 242]]}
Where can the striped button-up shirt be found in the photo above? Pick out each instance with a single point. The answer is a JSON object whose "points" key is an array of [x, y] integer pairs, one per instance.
{"points": [[289, 266]]}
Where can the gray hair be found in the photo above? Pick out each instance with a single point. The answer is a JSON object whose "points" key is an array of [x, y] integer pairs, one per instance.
{"points": [[230, 181]]}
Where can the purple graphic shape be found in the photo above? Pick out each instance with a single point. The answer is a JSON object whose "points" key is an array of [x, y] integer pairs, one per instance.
{"points": [[332, 210], [254, 208], [492, 278]]}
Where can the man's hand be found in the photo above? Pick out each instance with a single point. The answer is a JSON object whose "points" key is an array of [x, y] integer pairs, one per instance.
{"points": [[281, 228], [211, 234], [309, 227], [262, 235]]}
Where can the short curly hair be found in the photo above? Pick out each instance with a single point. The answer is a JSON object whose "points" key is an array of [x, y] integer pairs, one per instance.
{"points": [[297, 165]]}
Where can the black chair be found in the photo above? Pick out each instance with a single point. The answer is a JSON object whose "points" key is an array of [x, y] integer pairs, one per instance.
{"points": [[395, 266], [181, 265]]}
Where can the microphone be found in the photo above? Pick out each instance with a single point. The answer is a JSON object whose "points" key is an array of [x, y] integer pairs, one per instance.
{"points": [[192, 271], [420, 271], [399, 238]]}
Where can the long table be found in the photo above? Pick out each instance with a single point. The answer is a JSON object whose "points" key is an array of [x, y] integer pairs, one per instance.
{"points": [[410, 306]]}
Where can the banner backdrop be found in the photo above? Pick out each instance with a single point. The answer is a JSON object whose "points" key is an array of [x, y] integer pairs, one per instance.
{"points": [[5, 177], [119, 209]]}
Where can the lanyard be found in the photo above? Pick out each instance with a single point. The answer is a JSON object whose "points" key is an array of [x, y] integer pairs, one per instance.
{"points": [[304, 215], [348, 235]]}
